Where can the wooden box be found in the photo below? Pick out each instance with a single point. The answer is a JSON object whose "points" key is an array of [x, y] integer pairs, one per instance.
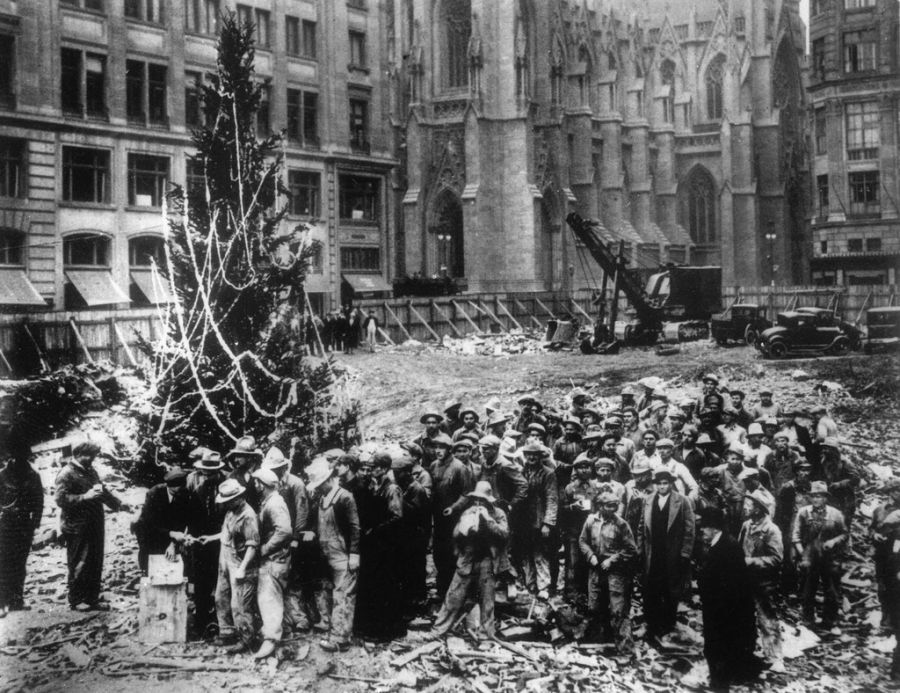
{"points": [[162, 602]]}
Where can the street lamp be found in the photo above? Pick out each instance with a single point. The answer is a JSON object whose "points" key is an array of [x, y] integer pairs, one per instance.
{"points": [[770, 237], [443, 247]]}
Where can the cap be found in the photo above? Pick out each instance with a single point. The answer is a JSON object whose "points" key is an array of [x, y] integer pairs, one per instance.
{"points": [[536, 427], [711, 378], [403, 461], [662, 473], [657, 404], [818, 488], [613, 420], [604, 462], [709, 474], [607, 498], [266, 476], [440, 440], [483, 491], [736, 449], [665, 443], [229, 490], [765, 391], [176, 476], [640, 466], [782, 435], [533, 448], [451, 404], [591, 436], [318, 472], [380, 459], [754, 429], [413, 449], [711, 516], [650, 432], [489, 441], [760, 499], [463, 443], [578, 393], [748, 472], [704, 439], [468, 410], [495, 418], [583, 461], [528, 399], [431, 415]]}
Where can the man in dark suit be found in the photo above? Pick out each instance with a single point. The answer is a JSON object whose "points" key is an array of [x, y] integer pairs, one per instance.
{"points": [[666, 543], [161, 526], [726, 596]]}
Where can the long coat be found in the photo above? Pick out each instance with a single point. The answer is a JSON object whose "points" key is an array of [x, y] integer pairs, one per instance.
{"points": [[158, 517], [679, 538]]}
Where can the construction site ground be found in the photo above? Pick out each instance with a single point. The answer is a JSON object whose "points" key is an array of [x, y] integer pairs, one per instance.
{"points": [[50, 648]]}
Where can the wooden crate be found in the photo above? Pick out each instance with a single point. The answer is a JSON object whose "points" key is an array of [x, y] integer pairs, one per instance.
{"points": [[162, 602]]}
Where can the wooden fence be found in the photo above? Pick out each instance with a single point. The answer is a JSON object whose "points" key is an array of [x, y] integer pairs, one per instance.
{"points": [[31, 342]]}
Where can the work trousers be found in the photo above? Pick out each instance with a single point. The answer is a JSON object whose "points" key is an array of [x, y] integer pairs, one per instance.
{"points": [[883, 579], [828, 572], [531, 559], [273, 576], [204, 570], [479, 579], [767, 624], [303, 585], [660, 605], [576, 576], [443, 554], [339, 597], [84, 556], [15, 544], [892, 600], [235, 599], [609, 604]]}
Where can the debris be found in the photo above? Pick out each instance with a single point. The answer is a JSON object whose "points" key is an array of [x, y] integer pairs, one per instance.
{"points": [[800, 375], [427, 648], [76, 655], [796, 640]]}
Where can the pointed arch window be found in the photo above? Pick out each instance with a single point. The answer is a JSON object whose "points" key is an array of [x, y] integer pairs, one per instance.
{"points": [[667, 79], [715, 79], [456, 20], [699, 211]]}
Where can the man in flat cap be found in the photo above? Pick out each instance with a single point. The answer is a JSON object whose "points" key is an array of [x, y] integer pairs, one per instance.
{"points": [[162, 525], [743, 417], [765, 408], [792, 496], [609, 550], [638, 491], [842, 479], [781, 463], [567, 448], [575, 504], [419, 472], [764, 551], [685, 483], [536, 524], [666, 543]]}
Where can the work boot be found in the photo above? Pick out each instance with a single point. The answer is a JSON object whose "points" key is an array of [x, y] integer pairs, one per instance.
{"points": [[267, 648], [334, 645], [236, 648]]}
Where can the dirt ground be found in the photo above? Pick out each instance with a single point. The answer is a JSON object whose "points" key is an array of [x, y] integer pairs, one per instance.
{"points": [[395, 385]]}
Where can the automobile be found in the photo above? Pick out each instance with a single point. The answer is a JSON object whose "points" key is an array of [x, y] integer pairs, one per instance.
{"points": [[882, 328], [826, 318], [743, 321], [813, 332]]}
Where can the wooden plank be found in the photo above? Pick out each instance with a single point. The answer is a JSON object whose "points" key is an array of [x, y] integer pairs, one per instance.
{"points": [[500, 304], [386, 337], [5, 363], [529, 313], [162, 612], [488, 312], [440, 311], [84, 348], [544, 308], [397, 320], [466, 316], [580, 309], [124, 343], [413, 655], [424, 322], [45, 367]]}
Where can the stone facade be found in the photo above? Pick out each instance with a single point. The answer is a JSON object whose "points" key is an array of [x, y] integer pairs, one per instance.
{"points": [[680, 126], [70, 75], [854, 112]]}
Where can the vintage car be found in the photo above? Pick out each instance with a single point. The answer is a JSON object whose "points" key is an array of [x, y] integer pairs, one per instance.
{"points": [[811, 331], [882, 328], [743, 321]]}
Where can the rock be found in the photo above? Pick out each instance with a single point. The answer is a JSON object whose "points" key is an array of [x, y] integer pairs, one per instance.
{"points": [[800, 375]]}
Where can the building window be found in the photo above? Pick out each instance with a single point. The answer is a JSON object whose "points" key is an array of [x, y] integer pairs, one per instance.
{"points": [[357, 49], [12, 168], [201, 16], [357, 4], [259, 20], [145, 251], [816, 7], [857, 4], [7, 71], [303, 117], [263, 119], [292, 35], [85, 175], [864, 193], [92, 5], [308, 36], [700, 207], [195, 176], [12, 247], [359, 125], [304, 190], [823, 247], [146, 93], [715, 77], [740, 24], [145, 10], [873, 245], [358, 198], [667, 79], [821, 131], [818, 58], [147, 178], [854, 245], [457, 22], [361, 259], [863, 130], [859, 50], [193, 101], [86, 250], [83, 83], [822, 194]]}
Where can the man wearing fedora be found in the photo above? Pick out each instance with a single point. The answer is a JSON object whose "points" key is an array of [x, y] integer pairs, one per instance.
{"points": [[337, 530], [238, 568], [608, 547], [530, 413], [274, 559], [819, 536], [764, 551], [204, 519], [432, 422], [163, 522], [666, 543], [244, 459], [479, 536]]}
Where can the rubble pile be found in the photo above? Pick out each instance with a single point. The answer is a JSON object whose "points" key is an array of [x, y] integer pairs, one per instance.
{"points": [[515, 342]]}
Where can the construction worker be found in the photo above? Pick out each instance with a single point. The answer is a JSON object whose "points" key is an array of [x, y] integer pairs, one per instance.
{"points": [[609, 549], [577, 502], [432, 422], [536, 524], [793, 495], [841, 477], [469, 418], [684, 481], [414, 531], [781, 463], [882, 540]]}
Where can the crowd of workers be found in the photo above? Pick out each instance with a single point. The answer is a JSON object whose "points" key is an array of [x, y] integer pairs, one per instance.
{"points": [[629, 497]]}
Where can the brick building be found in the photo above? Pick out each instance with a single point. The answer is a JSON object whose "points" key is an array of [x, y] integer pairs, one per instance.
{"points": [[97, 98], [680, 125], [854, 111]]}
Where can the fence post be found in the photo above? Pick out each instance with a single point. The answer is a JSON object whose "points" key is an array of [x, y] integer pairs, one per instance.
{"points": [[113, 343]]}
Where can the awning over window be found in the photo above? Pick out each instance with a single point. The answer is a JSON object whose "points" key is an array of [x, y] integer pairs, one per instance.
{"points": [[97, 287], [155, 289], [16, 290], [367, 283]]}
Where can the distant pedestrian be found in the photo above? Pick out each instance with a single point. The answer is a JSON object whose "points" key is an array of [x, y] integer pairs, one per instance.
{"points": [[370, 325]]}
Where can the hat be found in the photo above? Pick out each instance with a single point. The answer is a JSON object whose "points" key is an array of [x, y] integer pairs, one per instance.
{"points": [[738, 391], [318, 472], [748, 472], [831, 442], [198, 453], [431, 415], [490, 441], [578, 393], [818, 488], [704, 439], [274, 459], [413, 449], [348, 460], [332, 454], [450, 405], [735, 448], [266, 476], [528, 399], [379, 459], [607, 498], [760, 499], [765, 391], [245, 445], [534, 426], [229, 490], [640, 466], [583, 460], [650, 431], [628, 391], [754, 429], [710, 378], [592, 412], [818, 409], [495, 419], [661, 473], [591, 436], [210, 462], [604, 462], [711, 516], [665, 443], [176, 476], [709, 474], [626, 410], [441, 439], [676, 413], [803, 463], [651, 382], [463, 443], [770, 421], [404, 461], [468, 410], [483, 491], [512, 434], [572, 421], [533, 448], [657, 404], [492, 405], [613, 420], [781, 434]]}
